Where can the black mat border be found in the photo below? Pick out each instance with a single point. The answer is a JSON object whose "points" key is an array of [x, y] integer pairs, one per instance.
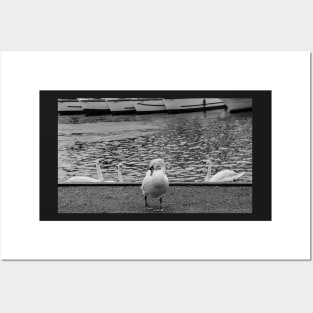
{"points": [[262, 184]]}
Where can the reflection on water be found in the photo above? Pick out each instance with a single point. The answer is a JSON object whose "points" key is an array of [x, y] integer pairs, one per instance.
{"points": [[184, 141]]}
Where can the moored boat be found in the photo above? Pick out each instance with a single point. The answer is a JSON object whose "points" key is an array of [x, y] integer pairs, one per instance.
{"points": [[151, 105], [193, 104], [69, 106], [95, 106], [122, 106], [238, 104]]}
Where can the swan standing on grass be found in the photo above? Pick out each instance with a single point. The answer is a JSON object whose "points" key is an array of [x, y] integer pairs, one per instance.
{"points": [[155, 184], [84, 179], [222, 176]]}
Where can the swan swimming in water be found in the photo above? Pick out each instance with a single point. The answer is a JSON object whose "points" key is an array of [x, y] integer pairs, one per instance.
{"points": [[155, 184], [120, 166], [222, 176], [84, 179]]}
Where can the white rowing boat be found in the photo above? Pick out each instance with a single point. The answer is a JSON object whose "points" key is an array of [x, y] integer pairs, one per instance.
{"points": [[122, 106], [69, 106], [238, 104], [193, 104], [95, 106], [151, 105]]}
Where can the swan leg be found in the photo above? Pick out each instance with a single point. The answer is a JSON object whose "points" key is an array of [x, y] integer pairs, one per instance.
{"points": [[146, 204], [160, 203]]}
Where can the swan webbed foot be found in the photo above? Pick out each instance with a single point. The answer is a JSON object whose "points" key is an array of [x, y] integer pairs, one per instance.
{"points": [[148, 208]]}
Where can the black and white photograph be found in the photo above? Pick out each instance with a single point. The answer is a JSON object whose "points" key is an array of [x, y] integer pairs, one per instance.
{"points": [[128, 170], [155, 155]]}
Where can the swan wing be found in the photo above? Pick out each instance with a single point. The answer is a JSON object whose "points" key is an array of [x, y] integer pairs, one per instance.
{"points": [[225, 176], [155, 185], [238, 175], [145, 183], [82, 179]]}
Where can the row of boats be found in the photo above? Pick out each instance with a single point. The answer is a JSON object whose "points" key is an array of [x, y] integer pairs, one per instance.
{"points": [[93, 106]]}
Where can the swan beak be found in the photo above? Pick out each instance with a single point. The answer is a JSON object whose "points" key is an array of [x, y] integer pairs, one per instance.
{"points": [[151, 169]]}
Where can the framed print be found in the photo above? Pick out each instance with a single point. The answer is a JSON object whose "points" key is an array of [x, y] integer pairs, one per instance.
{"points": [[206, 144], [163, 156]]}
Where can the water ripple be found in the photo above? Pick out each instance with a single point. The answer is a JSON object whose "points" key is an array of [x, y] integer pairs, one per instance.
{"points": [[183, 140]]}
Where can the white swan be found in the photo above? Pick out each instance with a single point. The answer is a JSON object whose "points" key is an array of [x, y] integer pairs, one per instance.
{"points": [[155, 184], [222, 176], [120, 166], [84, 179]]}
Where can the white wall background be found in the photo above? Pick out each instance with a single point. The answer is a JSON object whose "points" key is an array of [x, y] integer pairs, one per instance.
{"points": [[156, 286]]}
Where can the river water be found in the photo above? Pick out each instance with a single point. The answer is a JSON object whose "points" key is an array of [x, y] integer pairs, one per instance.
{"points": [[183, 140]]}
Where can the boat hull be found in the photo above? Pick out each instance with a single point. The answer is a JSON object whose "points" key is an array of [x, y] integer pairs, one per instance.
{"points": [[67, 107], [193, 104], [122, 106], [95, 107], [238, 104], [150, 106]]}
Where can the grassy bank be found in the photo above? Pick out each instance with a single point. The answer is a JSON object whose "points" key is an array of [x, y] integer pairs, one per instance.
{"points": [[179, 199]]}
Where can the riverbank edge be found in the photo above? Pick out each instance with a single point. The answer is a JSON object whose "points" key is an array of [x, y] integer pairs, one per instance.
{"points": [[123, 198]]}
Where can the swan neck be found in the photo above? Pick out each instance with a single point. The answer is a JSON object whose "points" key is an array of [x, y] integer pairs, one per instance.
{"points": [[120, 175], [208, 175], [99, 172]]}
